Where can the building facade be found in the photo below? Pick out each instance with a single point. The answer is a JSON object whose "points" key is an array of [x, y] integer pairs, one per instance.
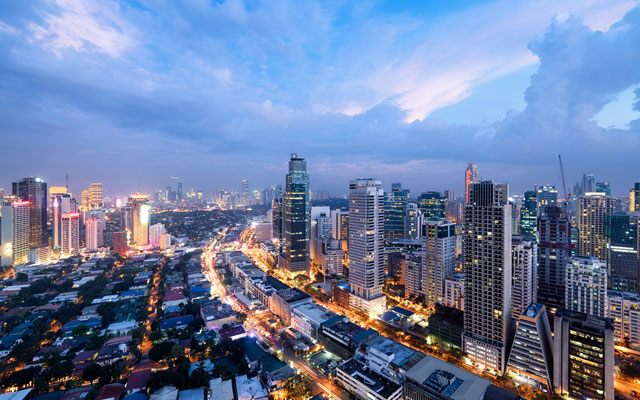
{"points": [[524, 270], [438, 258], [590, 211], [586, 286]]}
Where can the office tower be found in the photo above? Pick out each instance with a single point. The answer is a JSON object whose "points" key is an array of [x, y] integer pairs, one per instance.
{"points": [[55, 191], [85, 198], [432, 205], [515, 218], [590, 211], [296, 219], [276, 220], [546, 196], [623, 258], [603, 187], [412, 221], [588, 184], [340, 226], [61, 204], [554, 251], [95, 196], [586, 286], [487, 271], [93, 233], [140, 219], [14, 231], [470, 176], [70, 240], [179, 196], [366, 245], [454, 291], [319, 233], [449, 196], [583, 355], [531, 358], [120, 242], [155, 233], [529, 216], [126, 221], [395, 208], [438, 258], [245, 192], [34, 190], [524, 268], [634, 198]]}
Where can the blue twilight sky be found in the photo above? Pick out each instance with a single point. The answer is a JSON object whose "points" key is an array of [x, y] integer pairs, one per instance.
{"points": [[133, 92]]}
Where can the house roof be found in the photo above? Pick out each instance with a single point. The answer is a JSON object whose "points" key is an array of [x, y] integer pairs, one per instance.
{"points": [[138, 380]]}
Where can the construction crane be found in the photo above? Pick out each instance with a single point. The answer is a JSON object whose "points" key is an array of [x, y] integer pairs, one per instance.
{"points": [[564, 183]]}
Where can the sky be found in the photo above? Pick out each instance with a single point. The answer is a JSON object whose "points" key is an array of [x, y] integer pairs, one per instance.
{"points": [[132, 93]]}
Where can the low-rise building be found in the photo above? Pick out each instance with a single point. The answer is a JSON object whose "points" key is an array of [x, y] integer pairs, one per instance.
{"points": [[307, 319], [342, 337], [283, 301], [356, 378], [389, 358], [217, 315], [445, 328]]}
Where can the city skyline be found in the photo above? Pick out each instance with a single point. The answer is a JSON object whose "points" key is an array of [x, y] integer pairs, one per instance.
{"points": [[184, 91]]}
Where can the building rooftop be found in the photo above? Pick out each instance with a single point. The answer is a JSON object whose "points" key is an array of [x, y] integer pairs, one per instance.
{"points": [[393, 352], [314, 312], [292, 295], [375, 383], [447, 380]]}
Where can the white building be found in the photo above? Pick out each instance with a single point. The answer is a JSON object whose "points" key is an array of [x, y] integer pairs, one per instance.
{"points": [[413, 277], [366, 246], [40, 255], [624, 309], [586, 286], [14, 241], [524, 261], [454, 291], [93, 234], [357, 379], [155, 234], [250, 388], [438, 258], [307, 318], [487, 272], [332, 257], [70, 243]]}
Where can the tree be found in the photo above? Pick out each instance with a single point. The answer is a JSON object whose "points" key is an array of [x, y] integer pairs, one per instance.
{"points": [[95, 341], [22, 277], [199, 377], [165, 378], [80, 330], [161, 351], [92, 372]]}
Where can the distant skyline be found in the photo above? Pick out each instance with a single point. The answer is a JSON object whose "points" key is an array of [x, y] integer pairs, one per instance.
{"points": [[132, 93]]}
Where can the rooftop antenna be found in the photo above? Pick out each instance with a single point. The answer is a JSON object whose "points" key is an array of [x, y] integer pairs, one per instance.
{"points": [[66, 179], [564, 184]]}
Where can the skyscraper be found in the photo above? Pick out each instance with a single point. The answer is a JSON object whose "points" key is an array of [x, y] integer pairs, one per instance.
{"points": [[529, 216], [590, 211], [366, 245], [93, 233], [395, 207], [95, 196], [524, 267], [276, 220], [296, 219], [179, 195], [438, 258], [61, 204], [623, 256], [140, 219], [586, 282], [70, 240], [470, 176], [14, 231], [412, 221], [603, 187], [554, 251], [546, 196], [432, 205], [583, 355], [245, 192], [487, 271], [634, 198], [34, 190], [588, 183]]}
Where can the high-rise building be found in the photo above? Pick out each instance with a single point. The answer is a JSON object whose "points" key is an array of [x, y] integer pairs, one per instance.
{"points": [[70, 240], [432, 205], [583, 355], [588, 183], [34, 190], [470, 176], [296, 219], [603, 187], [320, 229], [546, 196], [412, 221], [438, 258], [93, 234], [245, 193], [590, 211], [55, 191], [554, 250], [61, 204], [95, 196], [179, 195], [623, 257], [529, 216], [586, 286], [413, 275], [634, 198], [140, 219], [487, 270], [366, 245], [14, 231], [155, 234], [515, 218], [531, 358], [624, 309], [120, 242], [395, 208], [524, 267], [276, 220]]}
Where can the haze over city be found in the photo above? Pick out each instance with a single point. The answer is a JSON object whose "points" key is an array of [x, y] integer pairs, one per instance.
{"points": [[131, 93]]}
